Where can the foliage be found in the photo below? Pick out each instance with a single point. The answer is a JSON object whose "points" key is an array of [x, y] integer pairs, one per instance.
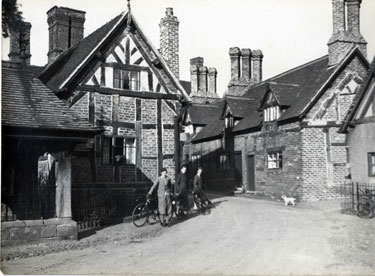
{"points": [[11, 16]]}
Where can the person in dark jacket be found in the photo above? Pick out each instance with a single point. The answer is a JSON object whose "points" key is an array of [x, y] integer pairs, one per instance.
{"points": [[197, 190], [164, 185], [181, 186]]}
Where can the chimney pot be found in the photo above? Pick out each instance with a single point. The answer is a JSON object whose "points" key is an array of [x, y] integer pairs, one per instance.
{"points": [[235, 53], [20, 44], [198, 61], [342, 39], [169, 11], [212, 77], [66, 28], [169, 41], [257, 58], [246, 65]]}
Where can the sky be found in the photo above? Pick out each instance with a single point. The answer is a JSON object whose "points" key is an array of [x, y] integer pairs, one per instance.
{"points": [[288, 32]]}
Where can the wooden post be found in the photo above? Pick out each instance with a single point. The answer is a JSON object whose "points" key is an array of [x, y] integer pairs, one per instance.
{"points": [[63, 186]]}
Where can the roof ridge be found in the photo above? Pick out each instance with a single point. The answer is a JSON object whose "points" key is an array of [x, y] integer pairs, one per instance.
{"points": [[299, 67]]}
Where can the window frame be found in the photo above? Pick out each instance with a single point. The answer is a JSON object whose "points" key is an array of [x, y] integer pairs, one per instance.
{"points": [[119, 74], [371, 164], [271, 113], [277, 160], [129, 150]]}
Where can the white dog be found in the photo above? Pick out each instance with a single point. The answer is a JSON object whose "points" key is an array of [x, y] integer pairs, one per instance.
{"points": [[289, 200]]}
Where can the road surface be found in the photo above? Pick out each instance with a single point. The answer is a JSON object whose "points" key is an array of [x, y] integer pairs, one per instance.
{"points": [[239, 236]]}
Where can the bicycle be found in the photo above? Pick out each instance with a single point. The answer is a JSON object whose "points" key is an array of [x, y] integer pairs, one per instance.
{"points": [[365, 208], [201, 201], [148, 208]]}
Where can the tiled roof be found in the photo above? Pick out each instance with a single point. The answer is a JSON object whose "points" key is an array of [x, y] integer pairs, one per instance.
{"points": [[296, 89], [211, 131], [56, 73], [358, 98], [65, 73], [26, 102], [240, 107], [253, 121], [203, 114]]}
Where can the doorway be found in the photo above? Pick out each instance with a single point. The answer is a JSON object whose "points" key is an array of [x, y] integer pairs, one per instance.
{"points": [[251, 173]]}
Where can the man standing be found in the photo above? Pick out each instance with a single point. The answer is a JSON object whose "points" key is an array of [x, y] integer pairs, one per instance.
{"points": [[198, 187], [181, 188], [163, 183]]}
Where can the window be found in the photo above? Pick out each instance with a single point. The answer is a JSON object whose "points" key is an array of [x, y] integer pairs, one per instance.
{"points": [[196, 161], [271, 113], [224, 162], [274, 160], [371, 163], [118, 150], [229, 123], [126, 79]]}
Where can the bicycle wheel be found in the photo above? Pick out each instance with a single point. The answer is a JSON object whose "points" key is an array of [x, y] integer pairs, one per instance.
{"points": [[169, 214], [364, 209], [140, 215]]}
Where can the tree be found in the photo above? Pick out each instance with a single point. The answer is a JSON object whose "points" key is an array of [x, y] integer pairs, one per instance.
{"points": [[11, 16]]}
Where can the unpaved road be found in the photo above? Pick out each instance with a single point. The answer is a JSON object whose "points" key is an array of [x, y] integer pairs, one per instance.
{"points": [[239, 236]]}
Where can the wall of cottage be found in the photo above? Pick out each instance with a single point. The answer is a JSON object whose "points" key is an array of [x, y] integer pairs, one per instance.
{"points": [[324, 151], [150, 122], [361, 142], [273, 182]]}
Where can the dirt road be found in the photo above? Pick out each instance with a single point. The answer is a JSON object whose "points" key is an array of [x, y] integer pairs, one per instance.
{"points": [[239, 236]]}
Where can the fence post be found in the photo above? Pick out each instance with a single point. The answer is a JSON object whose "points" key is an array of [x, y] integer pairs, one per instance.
{"points": [[352, 191]]}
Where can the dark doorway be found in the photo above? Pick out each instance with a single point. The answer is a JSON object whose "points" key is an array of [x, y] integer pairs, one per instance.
{"points": [[250, 173], [238, 168], [46, 185]]}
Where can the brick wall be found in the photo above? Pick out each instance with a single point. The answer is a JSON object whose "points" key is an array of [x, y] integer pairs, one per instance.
{"points": [[168, 141], [126, 110], [149, 143], [150, 168], [103, 107], [276, 182], [81, 107], [149, 113]]}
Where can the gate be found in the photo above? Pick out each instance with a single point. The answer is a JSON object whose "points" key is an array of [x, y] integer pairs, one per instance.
{"points": [[351, 195]]}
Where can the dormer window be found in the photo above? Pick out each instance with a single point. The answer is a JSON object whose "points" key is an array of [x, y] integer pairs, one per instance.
{"points": [[229, 122], [271, 113], [126, 79]]}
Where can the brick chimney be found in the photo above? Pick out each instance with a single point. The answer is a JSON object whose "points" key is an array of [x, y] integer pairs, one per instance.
{"points": [[248, 74], [257, 58], [20, 44], [203, 80], [66, 28], [195, 63], [246, 64], [169, 41], [346, 30], [235, 53], [212, 77], [203, 72]]}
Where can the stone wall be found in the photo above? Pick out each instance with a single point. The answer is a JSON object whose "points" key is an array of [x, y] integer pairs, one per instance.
{"points": [[23, 231]]}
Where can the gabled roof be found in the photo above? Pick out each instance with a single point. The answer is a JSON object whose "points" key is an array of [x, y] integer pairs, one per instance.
{"points": [[253, 121], [240, 107], [64, 74], [211, 131], [297, 89], [28, 103], [359, 97], [201, 114]]}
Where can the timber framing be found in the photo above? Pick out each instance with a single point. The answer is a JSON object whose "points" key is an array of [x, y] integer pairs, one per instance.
{"points": [[129, 93]]}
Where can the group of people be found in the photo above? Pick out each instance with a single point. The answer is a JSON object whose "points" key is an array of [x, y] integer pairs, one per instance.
{"points": [[180, 189]]}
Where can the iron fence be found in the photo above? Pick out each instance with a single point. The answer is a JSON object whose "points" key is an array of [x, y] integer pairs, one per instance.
{"points": [[95, 207], [351, 193]]}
